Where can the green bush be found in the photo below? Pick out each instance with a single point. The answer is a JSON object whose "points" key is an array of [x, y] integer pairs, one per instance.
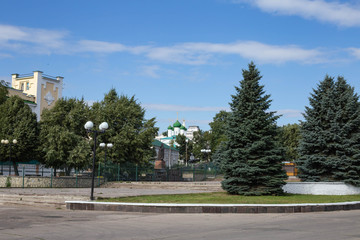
{"points": [[8, 182]]}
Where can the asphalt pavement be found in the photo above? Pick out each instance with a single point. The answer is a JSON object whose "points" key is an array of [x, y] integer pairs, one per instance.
{"points": [[30, 223]]}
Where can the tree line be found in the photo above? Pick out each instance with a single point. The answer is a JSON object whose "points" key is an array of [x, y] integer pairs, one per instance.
{"points": [[60, 140], [250, 148], [245, 142], [325, 145]]}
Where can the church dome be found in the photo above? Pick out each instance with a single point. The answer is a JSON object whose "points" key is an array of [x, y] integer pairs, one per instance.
{"points": [[177, 124], [170, 128], [183, 128]]}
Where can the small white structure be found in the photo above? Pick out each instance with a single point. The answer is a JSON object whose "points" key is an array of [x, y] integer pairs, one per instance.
{"points": [[321, 188], [39, 90], [190, 132]]}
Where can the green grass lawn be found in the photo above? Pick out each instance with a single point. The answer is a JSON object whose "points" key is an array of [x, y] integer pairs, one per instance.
{"points": [[224, 198]]}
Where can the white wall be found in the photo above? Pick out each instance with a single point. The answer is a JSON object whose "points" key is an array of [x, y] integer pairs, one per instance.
{"points": [[321, 188]]}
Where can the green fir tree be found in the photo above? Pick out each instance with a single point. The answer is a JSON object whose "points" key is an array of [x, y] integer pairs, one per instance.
{"points": [[251, 156], [330, 135]]}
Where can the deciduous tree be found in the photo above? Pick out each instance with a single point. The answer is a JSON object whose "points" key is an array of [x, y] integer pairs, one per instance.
{"points": [[218, 126], [129, 131], [289, 138], [17, 121], [63, 137], [3, 91]]}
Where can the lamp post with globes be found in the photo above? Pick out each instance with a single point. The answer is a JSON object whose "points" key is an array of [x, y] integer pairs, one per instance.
{"points": [[6, 142], [102, 128], [186, 143], [207, 151], [105, 146]]}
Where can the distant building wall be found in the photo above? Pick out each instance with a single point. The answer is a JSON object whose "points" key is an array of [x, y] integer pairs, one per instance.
{"points": [[41, 89], [171, 155]]}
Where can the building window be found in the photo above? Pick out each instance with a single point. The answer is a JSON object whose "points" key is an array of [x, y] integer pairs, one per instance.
{"points": [[22, 86], [27, 86]]}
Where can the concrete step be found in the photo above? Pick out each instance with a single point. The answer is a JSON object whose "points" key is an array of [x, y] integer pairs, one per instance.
{"points": [[56, 201], [209, 186]]}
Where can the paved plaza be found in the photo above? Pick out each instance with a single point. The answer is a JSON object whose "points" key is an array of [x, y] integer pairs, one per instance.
{"points": [[27, 223], [44, 220]]}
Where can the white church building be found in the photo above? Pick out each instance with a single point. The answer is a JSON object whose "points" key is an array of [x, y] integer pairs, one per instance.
{"points": [[176, 129]]}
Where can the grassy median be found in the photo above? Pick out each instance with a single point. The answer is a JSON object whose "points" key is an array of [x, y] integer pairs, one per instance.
{"points": [[224, 198]]}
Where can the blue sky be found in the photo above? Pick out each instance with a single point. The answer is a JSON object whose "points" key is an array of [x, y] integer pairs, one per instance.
{"points": [[183, 56]]}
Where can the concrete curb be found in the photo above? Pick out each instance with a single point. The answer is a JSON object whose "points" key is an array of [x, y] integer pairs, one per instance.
{"points": [[211, 208]]}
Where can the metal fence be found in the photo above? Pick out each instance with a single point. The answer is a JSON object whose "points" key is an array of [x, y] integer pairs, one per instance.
{"points": [[30, 169], [109, 171], [118, 172]]}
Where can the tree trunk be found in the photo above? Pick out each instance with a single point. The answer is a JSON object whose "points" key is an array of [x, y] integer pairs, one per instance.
{"points": [[15, 168], [67, 171]]}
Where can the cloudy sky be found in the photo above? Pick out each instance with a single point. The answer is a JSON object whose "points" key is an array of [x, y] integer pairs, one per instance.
{"points": [[183, 56]]}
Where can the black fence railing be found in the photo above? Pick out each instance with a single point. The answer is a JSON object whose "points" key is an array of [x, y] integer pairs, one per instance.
{"points": [[105, 172], [118, 172]]}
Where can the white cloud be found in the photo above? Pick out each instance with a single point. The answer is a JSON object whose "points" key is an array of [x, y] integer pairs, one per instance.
{"points": [[99, 46], [257, 51], [355, 52], [150, 71], [8, 32], [180, 108], [5, 55], [195, 122], [30, 39], [335, 12], [178, 54], [107, 47], [39, 41], [290, 113], [202, 53]]}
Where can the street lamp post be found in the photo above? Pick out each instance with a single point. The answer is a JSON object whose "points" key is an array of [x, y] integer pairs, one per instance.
{"points": [[186, 143], [106, 146], [192, 158], [6, 142], [102, 128], [207, 151], [170, 156]]}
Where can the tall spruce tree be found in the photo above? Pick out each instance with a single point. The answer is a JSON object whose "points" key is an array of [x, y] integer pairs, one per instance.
{"points": [[330, 144], [251, 157]]}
